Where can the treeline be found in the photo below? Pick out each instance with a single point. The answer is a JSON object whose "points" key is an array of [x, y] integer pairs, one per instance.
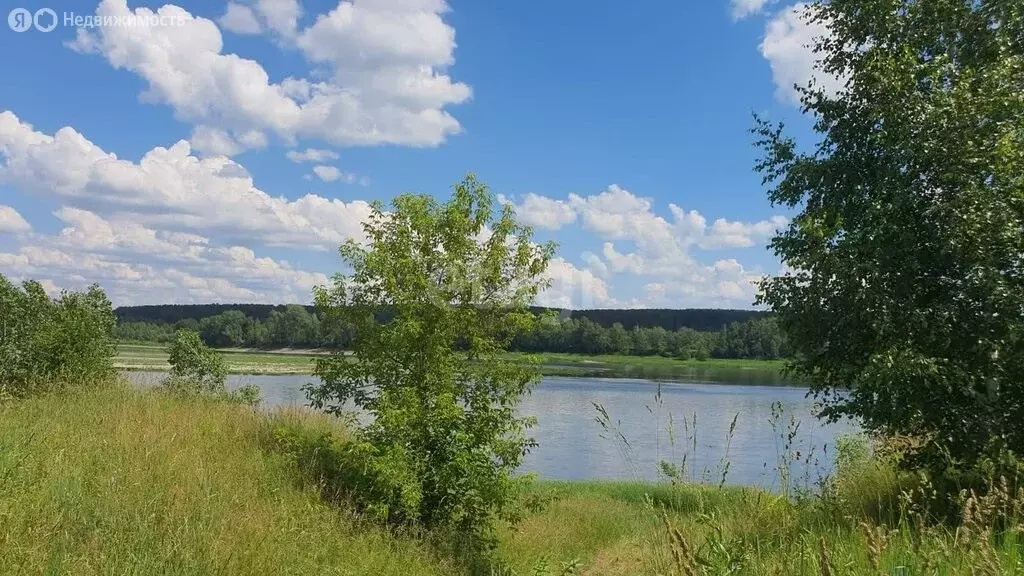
{"points": [[704, 320], [291, 326], [754, 338], [295, 326]]}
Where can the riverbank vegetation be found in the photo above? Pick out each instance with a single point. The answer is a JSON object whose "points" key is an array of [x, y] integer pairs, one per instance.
{"points": [[294, 326], [154, 357], [118, 480], [47, 343]]}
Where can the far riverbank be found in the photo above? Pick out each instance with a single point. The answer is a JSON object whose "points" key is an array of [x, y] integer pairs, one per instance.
{"points": [[153, 357]]}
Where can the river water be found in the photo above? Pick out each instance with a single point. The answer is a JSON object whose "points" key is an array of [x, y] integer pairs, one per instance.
{"points": [[644, 428]]}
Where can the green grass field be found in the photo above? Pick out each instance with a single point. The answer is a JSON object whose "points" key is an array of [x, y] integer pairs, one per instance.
{"points": [[127, 482], [154, 357], [124, 481]]}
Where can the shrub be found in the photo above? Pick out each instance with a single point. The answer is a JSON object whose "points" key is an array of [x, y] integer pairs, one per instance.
{"points": [[196, 370], [52, 343], [445, 437]]}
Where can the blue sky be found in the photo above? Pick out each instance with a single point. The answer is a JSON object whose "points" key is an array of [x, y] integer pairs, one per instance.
{"points": [[211, 151]]}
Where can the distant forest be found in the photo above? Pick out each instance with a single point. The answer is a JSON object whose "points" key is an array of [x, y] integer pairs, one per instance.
{"points": [[701, 319], [693, 333]]}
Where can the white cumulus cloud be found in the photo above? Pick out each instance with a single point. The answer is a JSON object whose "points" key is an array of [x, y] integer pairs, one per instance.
{"points": [[542, 212], [788, 46], [663, 248], [170, 187], [12, 222], [743, 8], [240, 19], [386, 63], [311, 155]]}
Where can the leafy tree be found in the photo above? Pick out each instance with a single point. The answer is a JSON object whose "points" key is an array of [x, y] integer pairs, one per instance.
{"points": [[592, 338], [445, 437], [642, 342], [49, 344], [227, 329], [908, 281], [256, 334], [187, 324], [691, 344], [619, 339], [143, 332], [295, 326], [195, 368]]}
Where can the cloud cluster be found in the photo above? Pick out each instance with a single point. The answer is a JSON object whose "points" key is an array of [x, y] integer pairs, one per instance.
{"points": [[311, 155], [185, 223], [278, 16], [12, 222], [743, 8], [572, 287], [170, 188], [384, 63], [177, 220], [147, 248], [139, 229], [136, 264], [662, 247], [788, 46], [617, 213], [333, 174]]}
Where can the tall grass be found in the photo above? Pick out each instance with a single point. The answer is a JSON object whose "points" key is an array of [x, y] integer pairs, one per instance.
{"points": [[124, 481], [131, 482], [630, 528]]}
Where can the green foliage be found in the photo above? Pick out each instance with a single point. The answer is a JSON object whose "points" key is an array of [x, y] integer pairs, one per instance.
{"points": [[48, 344], [196, 370], [444, 437], [293, 327], [346, 471], [757, 338], [225, 330], [136, 331], [289, 326], [908, 282]]}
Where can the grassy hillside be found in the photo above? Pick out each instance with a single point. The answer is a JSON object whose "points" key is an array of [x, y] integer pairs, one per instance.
{"points": [[126, 482], [136, 482]]}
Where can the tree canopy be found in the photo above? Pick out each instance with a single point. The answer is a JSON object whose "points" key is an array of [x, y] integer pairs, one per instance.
{"points": [[907, 254]]}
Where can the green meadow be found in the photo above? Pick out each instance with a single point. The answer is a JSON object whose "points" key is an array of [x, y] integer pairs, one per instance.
{"points": [[124, 481]]}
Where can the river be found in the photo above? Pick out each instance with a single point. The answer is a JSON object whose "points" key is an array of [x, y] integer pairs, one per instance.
{"points": [[572, 444]]}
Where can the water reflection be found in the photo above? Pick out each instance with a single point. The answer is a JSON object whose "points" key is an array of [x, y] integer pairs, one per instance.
{"points": [[570, 439]]}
